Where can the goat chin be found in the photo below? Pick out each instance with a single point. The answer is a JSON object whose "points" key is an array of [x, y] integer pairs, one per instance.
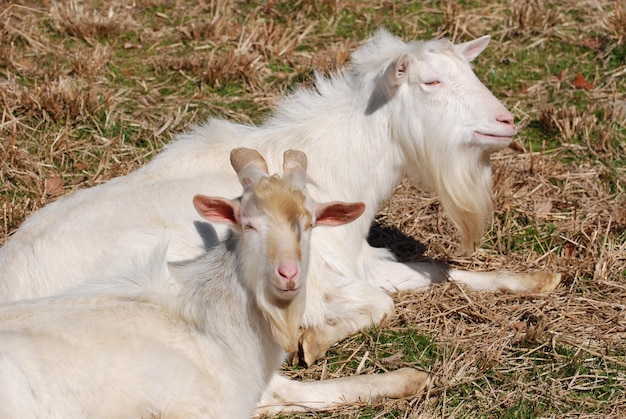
{"points": [[284, 317]]}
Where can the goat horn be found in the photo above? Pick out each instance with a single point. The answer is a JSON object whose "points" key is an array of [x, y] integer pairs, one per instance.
{"points": [[243, 158], [249, 165], [294, 167]]}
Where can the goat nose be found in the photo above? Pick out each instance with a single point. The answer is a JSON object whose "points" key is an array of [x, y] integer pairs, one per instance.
{"points": [[288, 270], [506, 117]]}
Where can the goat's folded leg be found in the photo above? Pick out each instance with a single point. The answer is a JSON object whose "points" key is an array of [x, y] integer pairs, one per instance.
{"points": [[364, 302], [314, 342], [346, 313], [283, 395]]}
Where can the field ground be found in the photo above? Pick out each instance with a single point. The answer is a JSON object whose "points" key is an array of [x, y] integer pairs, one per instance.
{"points": [[90, 90]]}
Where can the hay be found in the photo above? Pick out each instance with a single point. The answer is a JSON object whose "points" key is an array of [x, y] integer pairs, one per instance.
{"points": [[92, 90]]}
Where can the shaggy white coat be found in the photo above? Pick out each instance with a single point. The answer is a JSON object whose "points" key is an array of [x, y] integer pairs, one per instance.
{"points": [[191, 340], [402, 109]]}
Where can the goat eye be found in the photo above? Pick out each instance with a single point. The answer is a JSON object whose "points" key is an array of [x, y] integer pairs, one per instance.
{"points": [[432, 83], [248, 227]]}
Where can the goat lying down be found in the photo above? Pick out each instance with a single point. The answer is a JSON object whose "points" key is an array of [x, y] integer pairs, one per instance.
{"points": [[402, 109], [196, 339]]}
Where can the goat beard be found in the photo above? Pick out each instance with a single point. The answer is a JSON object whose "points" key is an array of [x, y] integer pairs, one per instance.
{"points": [[284, 318], [465, 194], [461, 177]]}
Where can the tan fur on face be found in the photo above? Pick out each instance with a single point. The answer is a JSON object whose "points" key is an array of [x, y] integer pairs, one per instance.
{"points": [[277, 197], [285, 207]]}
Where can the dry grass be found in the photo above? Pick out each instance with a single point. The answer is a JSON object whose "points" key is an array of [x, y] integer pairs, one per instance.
{"points": [[92, 90]]}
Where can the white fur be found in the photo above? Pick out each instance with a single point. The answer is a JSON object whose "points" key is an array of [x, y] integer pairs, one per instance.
{"points": [[197, 348], [387, 125], [402, 109], [199, 339]]}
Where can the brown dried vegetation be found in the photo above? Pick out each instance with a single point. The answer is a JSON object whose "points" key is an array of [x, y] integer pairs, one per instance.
{"points": [[90, 90]]}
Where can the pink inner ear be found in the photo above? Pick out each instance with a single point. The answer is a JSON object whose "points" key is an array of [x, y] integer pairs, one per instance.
{"points": [[473, 48], [402, 66], [338, 213], [218, 210]]}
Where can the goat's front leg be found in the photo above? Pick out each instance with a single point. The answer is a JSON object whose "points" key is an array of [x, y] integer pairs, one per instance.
{"points": [[394, 276], [347, 310], [283, 395]]}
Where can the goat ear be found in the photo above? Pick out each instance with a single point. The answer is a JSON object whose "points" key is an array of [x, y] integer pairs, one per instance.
{"points": [[338, 213], [249, 165], [399, 70], [387, 85], [219, 210], [294, 167], [472, 49]]}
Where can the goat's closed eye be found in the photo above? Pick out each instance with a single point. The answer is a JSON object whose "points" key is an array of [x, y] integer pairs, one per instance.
{"points": [[432, 83], [248, 227]]}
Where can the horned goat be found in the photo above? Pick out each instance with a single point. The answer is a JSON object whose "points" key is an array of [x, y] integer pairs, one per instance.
{"points": [[197, 339], [402, 109]]}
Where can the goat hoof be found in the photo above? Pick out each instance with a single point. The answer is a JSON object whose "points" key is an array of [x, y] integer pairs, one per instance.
{"points": [[415, 382], [293, 358], [309, 350], [545, 282]]}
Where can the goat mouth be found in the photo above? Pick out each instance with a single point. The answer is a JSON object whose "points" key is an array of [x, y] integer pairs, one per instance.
{"points": [[290, 292], [492, 137], [285, 293], [492, 141]]}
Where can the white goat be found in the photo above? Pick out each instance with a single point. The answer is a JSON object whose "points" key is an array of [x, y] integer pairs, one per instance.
{"points": [[201, 339], [403, 109]]}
